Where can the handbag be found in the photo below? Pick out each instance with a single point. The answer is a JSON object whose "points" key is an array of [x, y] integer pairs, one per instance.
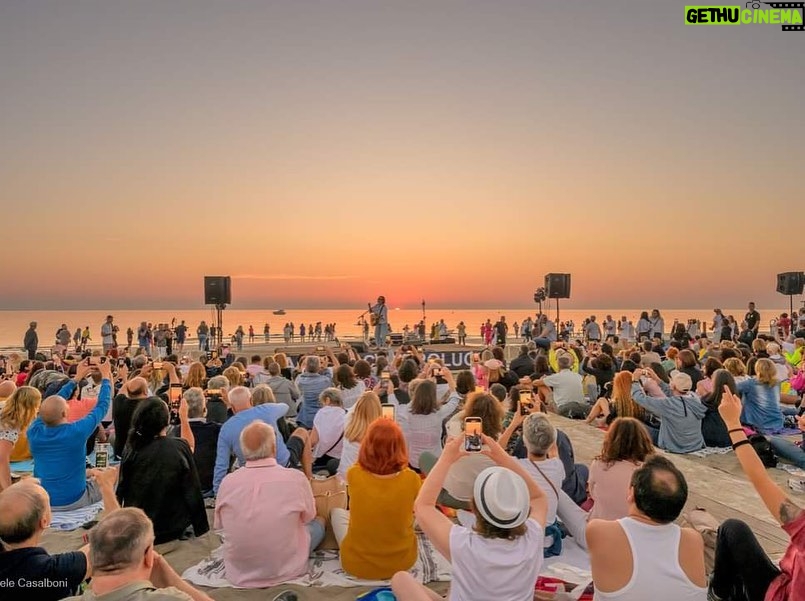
{"points": [[798, 381], [328, 493], [703, 522]]}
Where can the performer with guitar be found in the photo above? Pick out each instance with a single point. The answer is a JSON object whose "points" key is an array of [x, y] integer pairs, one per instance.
{"points": [[379, 318]]}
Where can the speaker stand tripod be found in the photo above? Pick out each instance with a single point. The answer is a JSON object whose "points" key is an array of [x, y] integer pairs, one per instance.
{"points": [[219, 317]]}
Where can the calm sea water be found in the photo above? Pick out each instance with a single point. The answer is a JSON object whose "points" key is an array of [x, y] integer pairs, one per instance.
{"points": [[14, 323]]}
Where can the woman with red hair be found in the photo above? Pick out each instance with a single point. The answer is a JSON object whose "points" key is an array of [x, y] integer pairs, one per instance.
{"points": [[376, 535]]}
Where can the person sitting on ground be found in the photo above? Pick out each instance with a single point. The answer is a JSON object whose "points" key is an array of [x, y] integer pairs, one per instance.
{"points": [[421, 419], [24, 516], [567, 389], [264, 548], [296, 453], [376, 536], [602, 368], [713, 430], [544, 467], [123, 405], [680, 412], [18, 412], [686, 363], [327, 435], [7, 388], [311, 382], [645, 555], [205, 435], [217, 393], [285, 391], [620, 403], [499, 557], [406, 374], [705, 385], [461, 477], [59, 447], [364, 412], [158, 473], [742, 570], [351, 388], [760, 397], [523, 365], [626, 446], [647, 354], [125, 566], [196, 376]]}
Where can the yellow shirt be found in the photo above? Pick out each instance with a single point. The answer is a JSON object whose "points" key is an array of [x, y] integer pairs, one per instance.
{"points": [[21, 451], [380, 540]]}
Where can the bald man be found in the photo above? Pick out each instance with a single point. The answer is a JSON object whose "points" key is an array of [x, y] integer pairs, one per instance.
{"points": [[24, 515], [263, 546], [59, 447], [240, 399], [7, 388]]}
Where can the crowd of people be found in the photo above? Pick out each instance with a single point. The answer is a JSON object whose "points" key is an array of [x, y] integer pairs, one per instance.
{"points": [[472, 459]]}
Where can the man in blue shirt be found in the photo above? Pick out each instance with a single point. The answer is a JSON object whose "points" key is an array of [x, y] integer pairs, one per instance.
{"points": [[59, 447], [311, 383], [291, 455]]}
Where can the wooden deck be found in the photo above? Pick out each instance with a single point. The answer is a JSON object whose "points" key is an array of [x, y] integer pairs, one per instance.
{"points": [[715, 483]]}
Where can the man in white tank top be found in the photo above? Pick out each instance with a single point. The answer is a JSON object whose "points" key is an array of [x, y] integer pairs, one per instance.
{"points": [[645, 555]]}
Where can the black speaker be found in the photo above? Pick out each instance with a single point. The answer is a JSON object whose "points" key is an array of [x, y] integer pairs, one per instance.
{"points": [[557, 285], [217, 290], [791, 282]]}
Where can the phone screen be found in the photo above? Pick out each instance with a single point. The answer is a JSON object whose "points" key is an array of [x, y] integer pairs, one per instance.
{"points": [[526, 402], [388, 411], [472, 434]]}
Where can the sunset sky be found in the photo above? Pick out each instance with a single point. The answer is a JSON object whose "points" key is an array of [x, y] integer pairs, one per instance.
{"points": [[323, 153]]}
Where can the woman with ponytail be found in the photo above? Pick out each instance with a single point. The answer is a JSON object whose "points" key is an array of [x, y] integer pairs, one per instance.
{"points": [[158, 473]]}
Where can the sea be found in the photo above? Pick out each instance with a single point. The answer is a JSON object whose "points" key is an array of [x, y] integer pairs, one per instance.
{"points": [[14, 323]]}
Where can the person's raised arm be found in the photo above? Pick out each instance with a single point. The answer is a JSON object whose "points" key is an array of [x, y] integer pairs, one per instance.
{"points": [[81, 372], [185, 431], [173, 377], [641, 398], [106, 479], [775, 499], [92, 420], [333, 359], [516, 422]]}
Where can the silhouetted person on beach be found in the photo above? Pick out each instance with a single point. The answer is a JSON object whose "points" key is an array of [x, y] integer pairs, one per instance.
{"points": [[31, 341]]}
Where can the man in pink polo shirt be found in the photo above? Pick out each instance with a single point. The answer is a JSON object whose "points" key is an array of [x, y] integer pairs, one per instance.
{"points": [[267, 514]]}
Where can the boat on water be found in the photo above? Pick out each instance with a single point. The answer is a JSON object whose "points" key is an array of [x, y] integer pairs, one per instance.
{"points": [[279, 312]]}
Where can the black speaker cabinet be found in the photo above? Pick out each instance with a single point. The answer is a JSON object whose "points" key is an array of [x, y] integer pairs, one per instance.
{"points": [[217, 290], [557, 285], [791, 282]]}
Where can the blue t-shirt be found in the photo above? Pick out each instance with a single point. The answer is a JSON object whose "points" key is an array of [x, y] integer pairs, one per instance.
{"points": [[761, 405], [60, 452], [229, 438], [311, 386]]}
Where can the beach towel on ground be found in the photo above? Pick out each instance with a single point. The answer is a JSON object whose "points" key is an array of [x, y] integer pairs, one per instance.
{"points": [[706, 451], [22, 467], [74, 519], [324, 569]]}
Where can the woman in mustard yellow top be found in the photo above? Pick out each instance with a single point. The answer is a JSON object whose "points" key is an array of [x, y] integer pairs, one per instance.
{"points": [[376, 535]]}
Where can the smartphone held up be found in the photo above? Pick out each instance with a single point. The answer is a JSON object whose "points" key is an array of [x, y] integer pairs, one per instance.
{"points": [[472, 434]]}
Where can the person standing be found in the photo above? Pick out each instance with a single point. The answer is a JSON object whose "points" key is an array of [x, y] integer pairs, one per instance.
{"points": [[31, 341], [251, 334], [610, 327], [77, 340], [63, 338], [380, 313], [516, 327], [203, 332], [657, 325], [180, 332], [107, 335], [266, 332], [752, 319], [718, 325], [592, 331], [462, 333], [129, 338], [501, 329], [85, 338]]}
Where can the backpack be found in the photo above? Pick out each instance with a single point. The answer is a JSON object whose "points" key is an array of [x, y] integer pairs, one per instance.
{"points": [[763, 449]]}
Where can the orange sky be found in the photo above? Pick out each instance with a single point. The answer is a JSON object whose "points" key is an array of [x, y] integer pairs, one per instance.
{"points": [[322, 154]]}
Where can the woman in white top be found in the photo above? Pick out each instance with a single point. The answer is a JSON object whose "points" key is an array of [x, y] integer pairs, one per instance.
{"points": [[350, 386], [363, 413], [499, 558], [421, 419], [327, 436]]}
